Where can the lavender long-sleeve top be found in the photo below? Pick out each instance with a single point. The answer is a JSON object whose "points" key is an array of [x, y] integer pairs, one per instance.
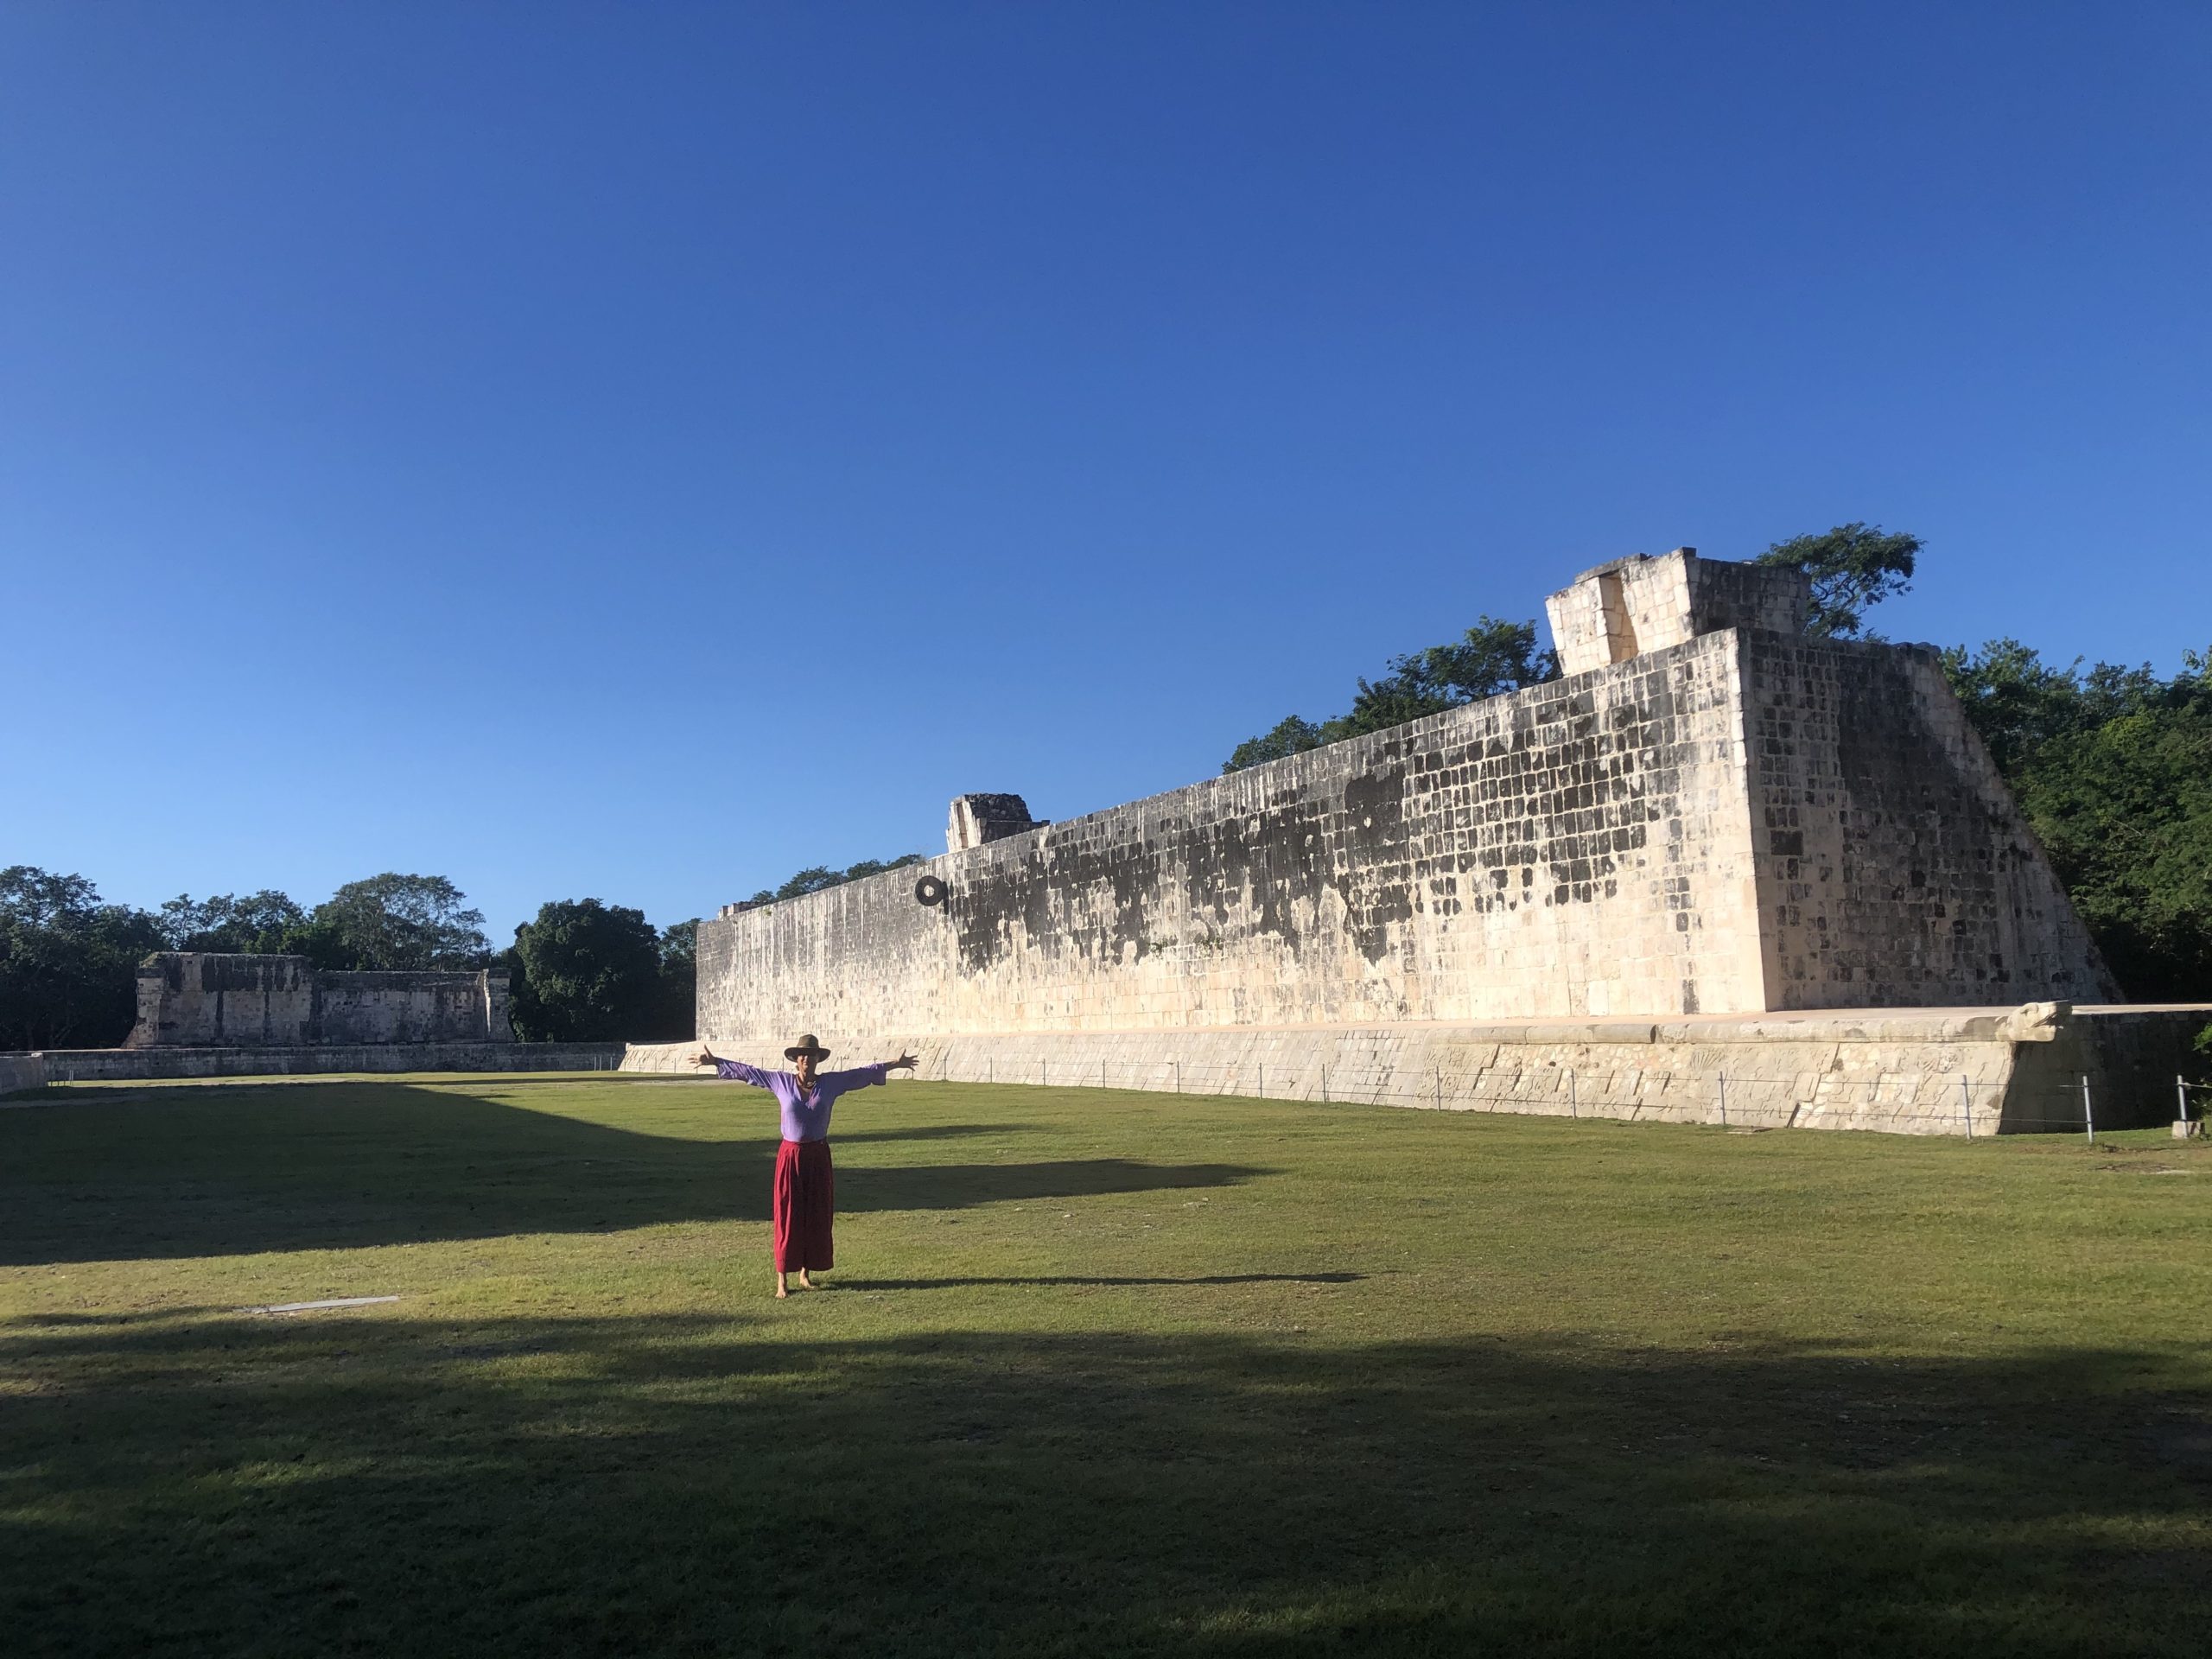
{"points": [[805, 1113]]}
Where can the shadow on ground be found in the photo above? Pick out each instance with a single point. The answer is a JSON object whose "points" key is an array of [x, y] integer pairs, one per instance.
{"points": [[1083, 1279], [219, 1173], [619, 1486]]}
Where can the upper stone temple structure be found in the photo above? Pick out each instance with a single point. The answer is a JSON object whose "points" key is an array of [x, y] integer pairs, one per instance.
{"points": [[1621, 610], [1711, 813], [975, 819]]}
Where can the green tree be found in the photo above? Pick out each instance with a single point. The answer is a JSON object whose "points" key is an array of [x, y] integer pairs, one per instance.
{"points": [[256, 923], [68, 963], [1852, 566], [2015, 701], [819, 878], [1293, 734], [813, 878], [584, 972], [394, 922], [1492, 658], [876, 866], [676, 1006], [2113, 766]]}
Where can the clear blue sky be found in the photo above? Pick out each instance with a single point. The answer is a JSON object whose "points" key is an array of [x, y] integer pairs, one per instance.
{"points": [[637, 451]]}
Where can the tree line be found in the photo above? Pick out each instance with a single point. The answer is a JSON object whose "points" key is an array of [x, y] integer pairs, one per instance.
{"points": [[2112, 765], [581, 970], [817, 877]]}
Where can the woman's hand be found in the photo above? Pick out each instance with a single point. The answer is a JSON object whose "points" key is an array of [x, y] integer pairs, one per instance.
{"points": [[905, 1060], [705, 1057]]}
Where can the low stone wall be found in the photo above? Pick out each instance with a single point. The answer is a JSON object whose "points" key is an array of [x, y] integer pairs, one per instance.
{"points": [[135, 1064], [2133, 1056], [1926, 1072], [21, 1073]]}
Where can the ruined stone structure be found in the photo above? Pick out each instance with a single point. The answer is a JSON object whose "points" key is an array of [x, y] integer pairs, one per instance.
{"points": [[208, 1000], [975, 819], [1633, 605], [1710, 814]]}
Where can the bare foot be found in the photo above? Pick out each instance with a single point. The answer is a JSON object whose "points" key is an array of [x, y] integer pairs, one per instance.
{"points": [[805, 1283]]}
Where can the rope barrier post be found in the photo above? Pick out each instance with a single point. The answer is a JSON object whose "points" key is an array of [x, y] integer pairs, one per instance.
{"points": [[2089, 1118], [1573, 1108], [1724, 1100], [2181, 1095], [1263, 1079], [1178, 1065], [1440, 1087], [1324, 1086], [1965, 1105]]}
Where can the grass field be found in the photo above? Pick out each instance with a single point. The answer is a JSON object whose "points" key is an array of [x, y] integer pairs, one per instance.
{"points": [[1098, 1372]]}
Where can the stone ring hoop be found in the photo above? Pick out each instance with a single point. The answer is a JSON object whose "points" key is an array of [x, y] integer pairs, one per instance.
{"points": [[931, 891]]}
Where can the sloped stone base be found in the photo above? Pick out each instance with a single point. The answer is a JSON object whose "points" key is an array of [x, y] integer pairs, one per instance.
{"points": [[1914, 1071], [135, 1064]]}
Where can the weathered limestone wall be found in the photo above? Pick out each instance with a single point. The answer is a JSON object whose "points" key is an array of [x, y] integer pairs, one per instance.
{"points": [[1710, 816], [1894, 868], [199, 998], [1742, 823], [19, 1073], [405, 1008], [196, 997], [1581, 847]]}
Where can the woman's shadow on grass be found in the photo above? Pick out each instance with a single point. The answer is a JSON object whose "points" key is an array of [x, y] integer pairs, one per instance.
{"points": [[354, 1164]]}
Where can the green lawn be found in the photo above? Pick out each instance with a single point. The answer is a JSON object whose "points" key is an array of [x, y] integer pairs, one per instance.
{"points": [[1098, 1372]]}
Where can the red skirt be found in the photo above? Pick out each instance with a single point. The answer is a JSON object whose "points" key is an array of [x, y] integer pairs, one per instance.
{"points": [[803, 1205]]}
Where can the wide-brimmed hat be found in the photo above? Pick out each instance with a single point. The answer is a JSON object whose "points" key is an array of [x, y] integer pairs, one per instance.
{"points": [[806, 1045]]}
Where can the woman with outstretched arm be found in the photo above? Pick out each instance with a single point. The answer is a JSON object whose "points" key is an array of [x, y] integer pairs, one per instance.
{"points": [[803, 1201]]}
